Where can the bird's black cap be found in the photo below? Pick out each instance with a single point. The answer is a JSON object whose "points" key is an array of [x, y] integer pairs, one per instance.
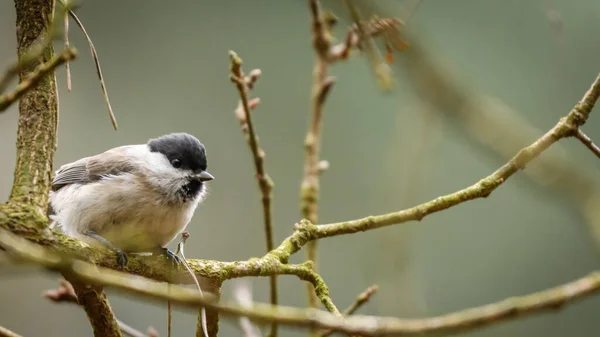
{"points": [[183, 147]]}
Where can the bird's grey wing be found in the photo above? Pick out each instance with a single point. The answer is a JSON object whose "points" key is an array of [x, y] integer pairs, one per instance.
{"points": [[90, 169]]}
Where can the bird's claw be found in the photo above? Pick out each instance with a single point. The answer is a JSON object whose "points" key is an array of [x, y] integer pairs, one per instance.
{"points": [[171, 256], [121, 258]]}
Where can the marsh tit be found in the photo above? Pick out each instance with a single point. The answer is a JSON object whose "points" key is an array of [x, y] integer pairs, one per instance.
{"points": [[132, 198]]}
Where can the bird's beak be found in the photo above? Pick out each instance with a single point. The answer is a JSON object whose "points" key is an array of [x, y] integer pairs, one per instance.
{"points": [[205, 176]]}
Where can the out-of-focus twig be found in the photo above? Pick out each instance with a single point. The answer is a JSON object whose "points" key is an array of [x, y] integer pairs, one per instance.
{"points": [[67, 67], [44, 69], [587, 141], [265, 183], [36, 50], [4, 332], [243, 295]]}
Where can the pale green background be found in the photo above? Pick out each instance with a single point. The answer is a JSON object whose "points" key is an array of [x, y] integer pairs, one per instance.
{"points": [[166, 68]]}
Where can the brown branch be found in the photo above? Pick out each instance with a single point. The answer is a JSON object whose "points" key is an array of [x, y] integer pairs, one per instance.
{"points": [[325, 54], [4, 332], [265, 183], [587, 141], [470, 319], [32, 80], [65, 293], [93, 300]]}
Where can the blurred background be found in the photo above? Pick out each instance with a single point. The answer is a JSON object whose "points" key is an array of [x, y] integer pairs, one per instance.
{"points": [[166, 69]]}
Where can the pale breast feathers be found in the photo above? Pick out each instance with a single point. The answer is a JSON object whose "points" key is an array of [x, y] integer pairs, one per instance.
{"points": [[90, 169]]}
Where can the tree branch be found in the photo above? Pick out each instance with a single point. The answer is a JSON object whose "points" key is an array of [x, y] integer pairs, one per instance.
{"points": [[321, 40], [470, 319], [587, 141], [265, 183], [93, 300]]}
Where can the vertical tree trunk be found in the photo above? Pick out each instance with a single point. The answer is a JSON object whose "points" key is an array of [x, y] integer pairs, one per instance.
{"points": [[38, 117]]}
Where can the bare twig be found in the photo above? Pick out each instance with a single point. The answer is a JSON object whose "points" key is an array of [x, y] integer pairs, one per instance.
{"points": [[111, 114], [265, 183], [360, 300], [4, 332], [470, 319], [44, 69], [180, 250], [587, 141]]}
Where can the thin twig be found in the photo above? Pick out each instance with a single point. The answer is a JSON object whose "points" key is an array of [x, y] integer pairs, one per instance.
{"points": [[360, 301], [265, 183], [180, 250], [169, 316], [8, 99], [470, 319], [587, 141], [111, 114], [363, 298], [67, 67]]}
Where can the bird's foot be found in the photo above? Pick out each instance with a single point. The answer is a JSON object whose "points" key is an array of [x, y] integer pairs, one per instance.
{"points": [[121, 258], [121, 255], [171, 256]]}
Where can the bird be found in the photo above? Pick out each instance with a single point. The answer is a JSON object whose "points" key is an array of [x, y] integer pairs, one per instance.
{"points": [[132, 198]]}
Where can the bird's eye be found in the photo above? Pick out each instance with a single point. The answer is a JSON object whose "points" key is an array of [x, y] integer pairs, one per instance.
{"points": [[176, 163]]}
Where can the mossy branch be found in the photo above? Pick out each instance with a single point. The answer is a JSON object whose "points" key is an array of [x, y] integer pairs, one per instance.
{"points": [[551, 299]]}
